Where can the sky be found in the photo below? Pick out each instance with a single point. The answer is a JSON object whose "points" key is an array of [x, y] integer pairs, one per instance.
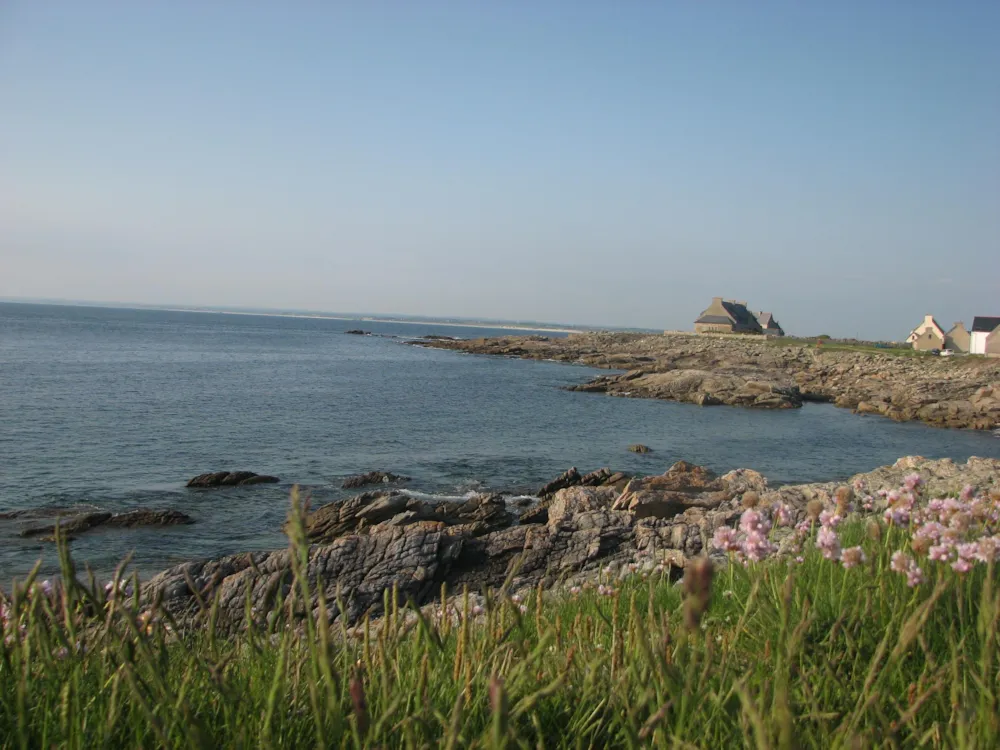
{"points": [[601, 163]]}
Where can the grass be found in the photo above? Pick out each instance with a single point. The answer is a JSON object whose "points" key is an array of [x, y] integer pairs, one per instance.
{"points": [[835, 345], [777, 655]]}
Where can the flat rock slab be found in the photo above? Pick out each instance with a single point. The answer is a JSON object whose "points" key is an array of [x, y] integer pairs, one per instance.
{"points": [[230, 479]]}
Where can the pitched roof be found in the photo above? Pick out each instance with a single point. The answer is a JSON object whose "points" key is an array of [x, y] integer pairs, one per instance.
{"points": [[740, 313], [714, 319], [982, 324]]}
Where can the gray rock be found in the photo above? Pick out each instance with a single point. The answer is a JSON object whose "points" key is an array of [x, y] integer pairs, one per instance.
{"points": [[229, 479], [372, 477]]}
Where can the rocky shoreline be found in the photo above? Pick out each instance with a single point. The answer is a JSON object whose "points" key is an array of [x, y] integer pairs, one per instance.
{"points": [[754, 372], [581, 527]]}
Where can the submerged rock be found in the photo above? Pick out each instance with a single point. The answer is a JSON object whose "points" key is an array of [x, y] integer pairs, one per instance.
{"points": [[640, 448], [230, 479], [73, 525], [82, 522], [372, 477], [146, 517]]}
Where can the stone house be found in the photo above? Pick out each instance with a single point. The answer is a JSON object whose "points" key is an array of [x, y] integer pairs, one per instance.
{"points": [[727, 316], [984, 338], [768, 324], [926, 336], [957, 339]]}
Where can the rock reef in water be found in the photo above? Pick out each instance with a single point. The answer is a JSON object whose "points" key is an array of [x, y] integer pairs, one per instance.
{"points": [[78, 523], [230, 479], [753, 372], [376, 541], [372, 477]]}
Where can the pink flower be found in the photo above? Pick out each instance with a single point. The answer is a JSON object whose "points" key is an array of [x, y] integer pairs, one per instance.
{"points": [[757, 547], [828, 542], [987, 549], [574, 590], [903, 563], [939, 553], [523, 608], [752, 520], [829, 519], [782, 515], [913, 481], [852, 556], [725, 539], [517, 598], [931, 530], [477, 610], [897, 515], [967, 493], [961, 565]]}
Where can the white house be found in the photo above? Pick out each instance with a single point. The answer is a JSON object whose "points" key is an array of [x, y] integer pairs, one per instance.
{"points": [[983, 330], [929, 325]]}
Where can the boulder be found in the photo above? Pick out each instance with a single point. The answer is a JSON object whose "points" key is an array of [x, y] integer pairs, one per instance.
{"points": [[683, 486], [640, 448], [575, 500], [230, 479], [372, 477], [357, 332]]}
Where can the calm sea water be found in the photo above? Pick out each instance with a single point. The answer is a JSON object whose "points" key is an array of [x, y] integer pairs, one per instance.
{"points": [[118, 408]]}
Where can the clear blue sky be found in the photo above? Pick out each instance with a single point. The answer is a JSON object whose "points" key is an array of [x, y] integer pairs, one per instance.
{"points": [[837, 163]]}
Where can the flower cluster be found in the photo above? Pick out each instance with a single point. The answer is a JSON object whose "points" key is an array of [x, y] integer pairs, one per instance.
{"points": [[960, 532], [752, 542]]}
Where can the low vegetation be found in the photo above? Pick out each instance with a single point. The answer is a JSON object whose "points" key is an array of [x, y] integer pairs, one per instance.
{"points": [[827, 344], [861, 633]]}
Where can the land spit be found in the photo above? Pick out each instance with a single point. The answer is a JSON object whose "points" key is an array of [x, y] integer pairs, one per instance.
{"points": [[761, 373]]}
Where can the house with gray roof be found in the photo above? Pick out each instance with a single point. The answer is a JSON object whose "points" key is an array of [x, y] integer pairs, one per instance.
{"points": [[769, 324], [984, 337], [727, 316]]}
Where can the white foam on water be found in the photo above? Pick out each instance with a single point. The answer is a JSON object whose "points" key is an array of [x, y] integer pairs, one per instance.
{"points": [[435, 498]]}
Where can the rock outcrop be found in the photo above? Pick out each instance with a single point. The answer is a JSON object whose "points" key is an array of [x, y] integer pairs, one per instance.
{"points": [[230, 479], [370, 544], [640, 448], [756, 373], [371, 512], [372, 477]]}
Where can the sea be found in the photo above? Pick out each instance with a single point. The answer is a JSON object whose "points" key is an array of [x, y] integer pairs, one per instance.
{"points": [[115, 409]]}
